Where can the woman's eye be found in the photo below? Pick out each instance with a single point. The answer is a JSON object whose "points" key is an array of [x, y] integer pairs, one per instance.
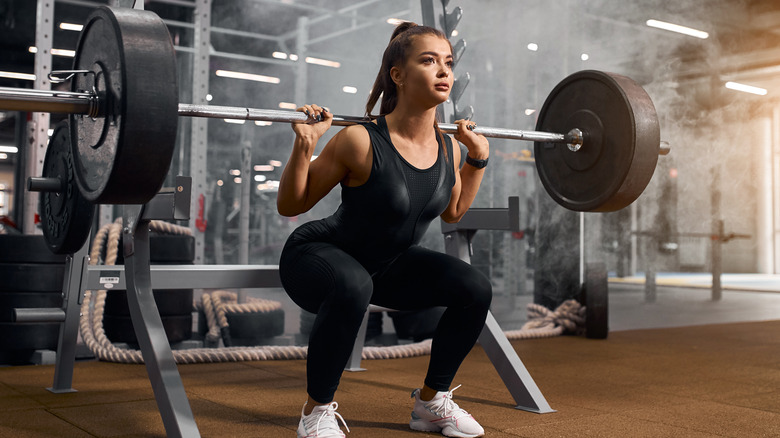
{"points": [[429, 60]]}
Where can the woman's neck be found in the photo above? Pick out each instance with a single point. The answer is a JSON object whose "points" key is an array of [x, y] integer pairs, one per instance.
{"points": [[410, 123]]}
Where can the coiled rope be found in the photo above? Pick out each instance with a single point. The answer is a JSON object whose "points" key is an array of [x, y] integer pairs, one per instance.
{"points": [[542, 322]]}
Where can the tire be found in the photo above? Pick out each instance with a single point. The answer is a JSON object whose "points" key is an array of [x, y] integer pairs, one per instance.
{"points": [[170, 302], [30, 277], [178, 328], [27, 249], [416, 325], [255, 328]]}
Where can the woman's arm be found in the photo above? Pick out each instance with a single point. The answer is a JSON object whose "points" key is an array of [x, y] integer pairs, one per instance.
{"points": [[468, 178], [304, 182]]}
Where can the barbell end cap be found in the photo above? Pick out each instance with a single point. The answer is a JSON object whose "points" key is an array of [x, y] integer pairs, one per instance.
{"points": [[575, 139], [664, 148]]}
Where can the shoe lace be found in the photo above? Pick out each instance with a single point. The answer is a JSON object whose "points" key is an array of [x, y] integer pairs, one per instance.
{"points": [[326, 421], [449, 408]]}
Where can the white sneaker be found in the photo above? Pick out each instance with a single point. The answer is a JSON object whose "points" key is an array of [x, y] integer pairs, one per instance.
{"points": [[321, 423], [441, 414]]}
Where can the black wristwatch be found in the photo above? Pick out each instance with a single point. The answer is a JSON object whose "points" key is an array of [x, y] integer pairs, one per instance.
{"points": [[479, 164]]}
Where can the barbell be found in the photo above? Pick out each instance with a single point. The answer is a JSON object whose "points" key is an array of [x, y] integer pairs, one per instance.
{"points": [[597, 137]]}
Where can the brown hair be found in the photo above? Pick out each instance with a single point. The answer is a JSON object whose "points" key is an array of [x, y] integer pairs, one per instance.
{"points": [[396, 54]]}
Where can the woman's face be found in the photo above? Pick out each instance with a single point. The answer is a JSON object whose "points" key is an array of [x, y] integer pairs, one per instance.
{"points": [[427, 74]]}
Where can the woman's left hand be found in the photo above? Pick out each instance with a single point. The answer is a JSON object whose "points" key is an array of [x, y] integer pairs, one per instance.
{"points": [[477, 144]]}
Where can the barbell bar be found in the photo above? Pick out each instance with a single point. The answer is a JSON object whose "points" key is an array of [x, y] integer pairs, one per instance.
{"points": [[89, 103], [597, 136]]}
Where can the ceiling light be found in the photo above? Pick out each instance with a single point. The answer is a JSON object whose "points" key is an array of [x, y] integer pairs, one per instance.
{"points": [[262, 123], [71, 26], [677, 28], [14, 75], [454, 33], [235, 172], [263, 168], [395, 21], [3, 157], [529, 111], [220, 182], [585, 57], [235, 121], [59, 52], [247, 76], [533, 47], [237, 180], [9, 149], [293, 57], [323, 62], [746, 88], [279, 55], [209, 98], [348, 89], [288, 105], [260, 178], [275, 163]]}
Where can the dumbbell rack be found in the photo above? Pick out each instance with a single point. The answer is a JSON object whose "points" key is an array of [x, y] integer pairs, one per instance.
{"points": [[137, 277]]}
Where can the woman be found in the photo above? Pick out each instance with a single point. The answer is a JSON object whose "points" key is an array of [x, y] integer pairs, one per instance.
{"points": [[397, 173]]}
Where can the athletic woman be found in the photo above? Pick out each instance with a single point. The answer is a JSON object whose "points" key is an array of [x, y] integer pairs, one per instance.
{"points": [[397, 174]]}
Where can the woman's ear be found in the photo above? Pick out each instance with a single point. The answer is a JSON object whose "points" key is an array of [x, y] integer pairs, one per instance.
{"points": [[397, 75]]}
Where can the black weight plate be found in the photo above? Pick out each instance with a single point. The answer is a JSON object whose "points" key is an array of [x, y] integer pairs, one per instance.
{"points": [[168, 301], [28, 277], [621, 142], [178, 328], [29, 336], [66, 217], [596, 299], [123, 155], [25, 300], [26, 249]]}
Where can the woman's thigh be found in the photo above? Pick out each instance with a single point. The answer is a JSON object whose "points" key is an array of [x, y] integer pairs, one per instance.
{"points": [[314, 272], [421, 278]]}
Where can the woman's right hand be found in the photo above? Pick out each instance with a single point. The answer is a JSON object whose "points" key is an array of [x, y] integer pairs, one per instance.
{"points": [[318, 122]]}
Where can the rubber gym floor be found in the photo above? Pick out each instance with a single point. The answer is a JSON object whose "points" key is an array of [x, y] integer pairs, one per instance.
{"points": [[681, 366]]}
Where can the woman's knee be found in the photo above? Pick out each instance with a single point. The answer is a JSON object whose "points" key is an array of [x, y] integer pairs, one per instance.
{"points": [[476, 289]]}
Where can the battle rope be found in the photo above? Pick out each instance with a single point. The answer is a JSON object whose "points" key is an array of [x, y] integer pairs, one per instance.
{"points": [[542, 321]]}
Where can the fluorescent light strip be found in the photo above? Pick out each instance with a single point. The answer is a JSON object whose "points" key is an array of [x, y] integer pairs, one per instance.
{"points": [[13, 75], [3, 157], [746, 88], [247, 76], [263, 168], [279, 55], [677, 28], [395, 21], [71, 26], [533, 47], [59, 52], [323, 62], [262, 123], [348, 89], [288, 105], [235, 121], [9, 149]]}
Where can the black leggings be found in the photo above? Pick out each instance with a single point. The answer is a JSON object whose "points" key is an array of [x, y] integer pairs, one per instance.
{"points": [[323, 279]]}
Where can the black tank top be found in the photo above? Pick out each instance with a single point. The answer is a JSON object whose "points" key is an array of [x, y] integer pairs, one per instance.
{"points": [[391, 211]]}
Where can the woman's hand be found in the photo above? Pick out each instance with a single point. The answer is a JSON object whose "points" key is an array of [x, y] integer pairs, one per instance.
{"points": [[478, 146], [318, 122]]}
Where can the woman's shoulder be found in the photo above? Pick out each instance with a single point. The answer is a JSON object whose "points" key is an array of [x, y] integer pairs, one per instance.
{"points": [[353, 139]]}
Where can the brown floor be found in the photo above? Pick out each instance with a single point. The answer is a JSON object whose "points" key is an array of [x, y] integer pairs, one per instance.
{"points": [[717, 380]]}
